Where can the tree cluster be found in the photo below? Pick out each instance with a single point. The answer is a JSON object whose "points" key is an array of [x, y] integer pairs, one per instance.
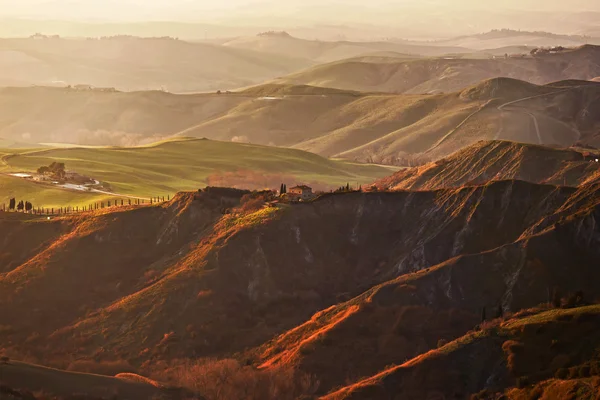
{"points": [[344, 189], [55, 170]]}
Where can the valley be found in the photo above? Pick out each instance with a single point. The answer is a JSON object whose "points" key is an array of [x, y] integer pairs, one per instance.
{"points": [[299, 200]]}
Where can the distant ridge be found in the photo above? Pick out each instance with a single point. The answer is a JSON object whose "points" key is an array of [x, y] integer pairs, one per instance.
{"points": [[503, 88], [374, 127], [450, 73], [274, 89]]}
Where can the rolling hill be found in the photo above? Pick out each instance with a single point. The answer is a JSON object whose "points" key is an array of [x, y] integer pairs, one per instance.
{"points": [[400, 129], [179, 164], [384, 285], [447, 74], [499, 38], [366, 127], [283, 44], [129, 63]]}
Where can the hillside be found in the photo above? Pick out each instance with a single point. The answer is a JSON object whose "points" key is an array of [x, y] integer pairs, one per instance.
{"points": [[400, 129], [447, 74], [345, 287], [129, 63], [367, 127], [227, 264], [496, 161], [34, 378], [95, 117], [167, 167], [542, 359], [318, 51]]}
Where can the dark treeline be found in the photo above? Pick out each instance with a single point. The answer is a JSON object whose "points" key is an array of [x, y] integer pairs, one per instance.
{"points": [[28, 207]]}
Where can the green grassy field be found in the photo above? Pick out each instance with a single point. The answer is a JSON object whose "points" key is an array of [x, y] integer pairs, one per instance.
{"points": [[176, 165]]}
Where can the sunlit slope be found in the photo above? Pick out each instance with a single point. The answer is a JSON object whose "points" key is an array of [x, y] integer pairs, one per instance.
{"points": [[185, 164], [386, 128], [360, 126], [499, 160]]}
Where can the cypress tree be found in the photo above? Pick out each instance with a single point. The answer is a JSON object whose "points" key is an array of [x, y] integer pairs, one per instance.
{"points": [[499, 311]]}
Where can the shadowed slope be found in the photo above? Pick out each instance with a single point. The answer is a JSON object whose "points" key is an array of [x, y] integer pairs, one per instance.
{"points": [[55, 382], [529, 348], [408, 316]]}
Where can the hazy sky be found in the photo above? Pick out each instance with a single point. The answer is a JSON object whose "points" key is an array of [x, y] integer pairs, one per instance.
{"points": [[207, 9], [352, 18]]}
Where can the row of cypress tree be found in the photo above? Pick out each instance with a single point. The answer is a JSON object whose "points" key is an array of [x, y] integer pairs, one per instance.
{"points": [[20, 206]]}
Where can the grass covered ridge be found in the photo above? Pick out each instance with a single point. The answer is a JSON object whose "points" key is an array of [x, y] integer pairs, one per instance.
{"points": [[177, 165]]}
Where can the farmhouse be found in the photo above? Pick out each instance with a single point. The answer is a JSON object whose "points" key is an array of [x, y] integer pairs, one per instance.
{"points": [[83, 87], [300, 192]]}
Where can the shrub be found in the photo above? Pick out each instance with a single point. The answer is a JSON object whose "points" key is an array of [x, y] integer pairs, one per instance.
{"points": [[250, 203], [573, 300], [512, 346], [562, 373], [513, 351], [573, 373], [584, 371], [228, 379], [536, 393]]}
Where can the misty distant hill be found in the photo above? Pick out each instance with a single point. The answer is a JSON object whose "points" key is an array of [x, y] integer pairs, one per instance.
{"points": [[129, 63], [446, 74], [326, 51], [509, 37]]}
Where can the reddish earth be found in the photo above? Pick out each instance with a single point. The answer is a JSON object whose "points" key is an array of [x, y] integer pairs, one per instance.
{"points": [[487, 161], [356, 289]]}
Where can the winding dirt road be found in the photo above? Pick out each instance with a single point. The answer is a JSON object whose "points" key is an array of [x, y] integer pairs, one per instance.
{"points": [[502, 109]]}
